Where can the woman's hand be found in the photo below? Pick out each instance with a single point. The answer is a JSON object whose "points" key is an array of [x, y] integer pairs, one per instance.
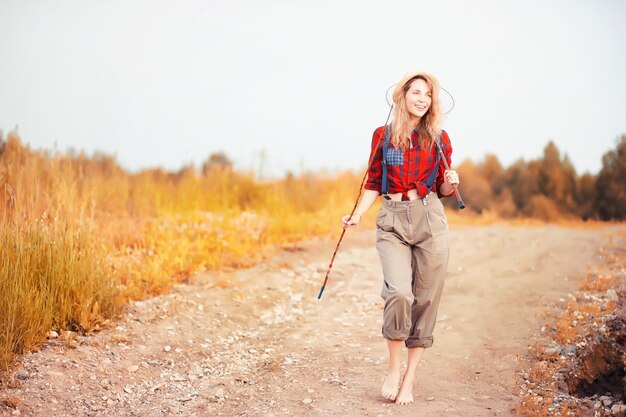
{"points": [[356, 218], [451, 177]]}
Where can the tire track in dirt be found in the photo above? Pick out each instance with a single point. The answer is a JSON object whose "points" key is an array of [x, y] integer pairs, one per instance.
{"points": [[264, 345]]}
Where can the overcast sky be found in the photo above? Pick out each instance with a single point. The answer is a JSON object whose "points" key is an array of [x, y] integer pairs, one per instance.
{"points": [[165, 83]]}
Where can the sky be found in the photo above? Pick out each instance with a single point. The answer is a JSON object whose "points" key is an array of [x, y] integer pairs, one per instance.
{"points": [[300, 86]]}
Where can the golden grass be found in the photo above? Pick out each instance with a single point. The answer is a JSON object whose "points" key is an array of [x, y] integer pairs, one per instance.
{"points": [[50, 277], [80, 236]]}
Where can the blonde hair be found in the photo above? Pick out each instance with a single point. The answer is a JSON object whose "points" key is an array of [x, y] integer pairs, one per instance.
{"points": [[428, 126]]}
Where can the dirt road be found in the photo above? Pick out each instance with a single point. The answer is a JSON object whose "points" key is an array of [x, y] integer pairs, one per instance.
{"points": [[257, 342]]}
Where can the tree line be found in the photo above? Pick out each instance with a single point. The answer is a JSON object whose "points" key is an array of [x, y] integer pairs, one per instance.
{"points": [[547, 188]]}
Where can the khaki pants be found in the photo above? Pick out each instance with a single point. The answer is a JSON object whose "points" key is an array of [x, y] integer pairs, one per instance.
{"points": [[412, 242]]}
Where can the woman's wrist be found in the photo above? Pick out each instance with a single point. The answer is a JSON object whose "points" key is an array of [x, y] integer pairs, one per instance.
{"points": [[446, 189]]}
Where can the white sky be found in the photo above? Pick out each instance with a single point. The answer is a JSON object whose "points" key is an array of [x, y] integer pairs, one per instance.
{"points": [[169, 82]]}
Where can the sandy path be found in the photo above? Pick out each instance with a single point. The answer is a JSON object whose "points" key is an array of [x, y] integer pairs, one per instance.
{"points": [[266, 346]]}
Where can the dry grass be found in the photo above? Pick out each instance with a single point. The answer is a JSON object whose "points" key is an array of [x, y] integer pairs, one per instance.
{"points": [[80, 235], [50, 277]]}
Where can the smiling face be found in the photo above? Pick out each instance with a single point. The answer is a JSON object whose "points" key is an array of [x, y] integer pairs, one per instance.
{"points": [[418, 99]]}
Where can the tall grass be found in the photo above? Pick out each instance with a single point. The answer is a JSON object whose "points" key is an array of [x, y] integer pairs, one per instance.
{"points": [[80, 235], [50, 277]]}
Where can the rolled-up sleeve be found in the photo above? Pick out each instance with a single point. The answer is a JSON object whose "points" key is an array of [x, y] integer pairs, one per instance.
{"points": [[374, 173]]}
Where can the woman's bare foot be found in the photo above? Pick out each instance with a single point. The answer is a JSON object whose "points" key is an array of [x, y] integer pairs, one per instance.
{"points": [[390, 386], [405, 395]]}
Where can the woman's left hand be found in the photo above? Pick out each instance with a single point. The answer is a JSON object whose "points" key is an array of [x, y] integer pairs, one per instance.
{"points": [[451, 177]]}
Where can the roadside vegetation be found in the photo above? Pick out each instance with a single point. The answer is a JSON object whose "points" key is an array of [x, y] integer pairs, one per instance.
{"points": [[579, 368]]}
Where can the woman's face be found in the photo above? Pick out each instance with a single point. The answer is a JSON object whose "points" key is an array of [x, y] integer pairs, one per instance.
{"points": [[418, 98]]}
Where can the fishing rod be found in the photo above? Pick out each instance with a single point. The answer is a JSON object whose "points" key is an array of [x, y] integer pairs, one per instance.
{"points": [[358, 197], [369, 164]]}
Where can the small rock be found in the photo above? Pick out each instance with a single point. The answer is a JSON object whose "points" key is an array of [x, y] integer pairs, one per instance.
{"points": [[220, 394], [606, 401], [307, 401], [52, 334], [570, 350], [552, 350], [23, 376], [167, 348], [133, 368], [611, 294], [127, 390], [430, 398], [618, 410], [156, 387]]}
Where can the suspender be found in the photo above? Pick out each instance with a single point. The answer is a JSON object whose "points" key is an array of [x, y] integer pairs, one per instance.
{"points": [[385, 182], [385, 186]]}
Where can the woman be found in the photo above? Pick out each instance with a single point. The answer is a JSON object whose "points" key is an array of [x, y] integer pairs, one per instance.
{"points": [[412, 229]]}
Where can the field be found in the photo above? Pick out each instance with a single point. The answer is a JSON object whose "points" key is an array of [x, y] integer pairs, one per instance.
{"points": [[193, 293], [83, 236]]}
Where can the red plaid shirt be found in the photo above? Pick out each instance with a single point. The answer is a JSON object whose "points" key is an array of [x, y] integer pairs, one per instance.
{"points": [[407, 169]]}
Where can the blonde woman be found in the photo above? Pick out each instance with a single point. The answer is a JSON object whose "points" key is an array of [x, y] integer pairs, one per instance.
{"points": [[412, 229]]}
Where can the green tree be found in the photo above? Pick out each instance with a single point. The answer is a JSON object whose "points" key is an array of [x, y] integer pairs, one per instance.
{"points": [[523, 180], [586, 196], [492, 170], [217, 160], [557, 178], [610, 200]]}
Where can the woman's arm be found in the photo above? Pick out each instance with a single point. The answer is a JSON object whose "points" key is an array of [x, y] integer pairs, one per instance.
{"points": [[451, 177], [369, 196], [446, 178]]}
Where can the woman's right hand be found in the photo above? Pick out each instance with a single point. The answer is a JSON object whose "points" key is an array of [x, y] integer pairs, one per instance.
{"points": [[352, 222]]}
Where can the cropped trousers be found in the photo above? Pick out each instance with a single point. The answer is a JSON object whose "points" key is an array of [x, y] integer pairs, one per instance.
{"points": [[412, 242]]}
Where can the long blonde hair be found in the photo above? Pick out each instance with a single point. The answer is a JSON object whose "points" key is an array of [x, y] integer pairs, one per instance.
{"points": [[428, 126]]}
